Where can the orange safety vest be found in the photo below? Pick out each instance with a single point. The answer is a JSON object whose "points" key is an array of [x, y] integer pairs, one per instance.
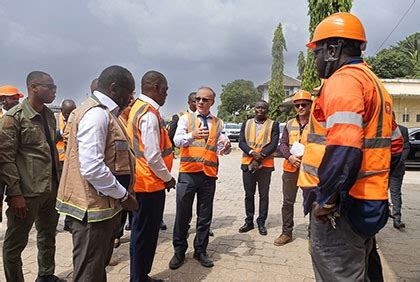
{"points": [[372, 180], [201, 155], [146, 180], [60, 144], [294, 135], [257, 143]]}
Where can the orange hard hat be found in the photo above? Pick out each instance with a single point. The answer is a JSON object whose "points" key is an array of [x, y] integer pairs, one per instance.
{"points": [[10, 90], [343, 25], [302, 95]]}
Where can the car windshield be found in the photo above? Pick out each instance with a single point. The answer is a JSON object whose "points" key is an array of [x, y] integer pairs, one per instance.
{"points": [[412, 129], [233, 126]]}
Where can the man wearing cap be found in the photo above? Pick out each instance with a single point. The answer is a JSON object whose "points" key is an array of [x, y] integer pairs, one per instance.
{"points": [[27, 135], [292, 138], [9, 97], [350, 138]]}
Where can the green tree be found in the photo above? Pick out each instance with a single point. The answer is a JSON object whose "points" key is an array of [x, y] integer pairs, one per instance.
{"points": [[301, 64], [401, 60], [391, 63], [318, 10], [275, 88], [237, 97]]}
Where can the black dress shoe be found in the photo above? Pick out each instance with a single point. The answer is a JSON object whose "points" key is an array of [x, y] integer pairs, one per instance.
{"points": [[49, 278], [262, 229], [163, 225], [246, 227], [150, 279], [176, 261], [398, 224], [204, 259]]}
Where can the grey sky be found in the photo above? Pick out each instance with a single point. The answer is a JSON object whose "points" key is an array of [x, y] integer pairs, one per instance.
{"points": [[194, 43]]}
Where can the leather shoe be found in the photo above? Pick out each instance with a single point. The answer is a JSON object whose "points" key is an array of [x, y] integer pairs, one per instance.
{"points": [[398, 224], [283, 239], [204, 259], [246, 227], [176, 261], [262, 229], [151, 279], [49, 278]]}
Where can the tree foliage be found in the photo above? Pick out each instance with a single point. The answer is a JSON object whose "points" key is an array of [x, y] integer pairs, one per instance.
{"points": [[399, 61], [318, 10], [238, 97], [276, 88], [301, 64]]}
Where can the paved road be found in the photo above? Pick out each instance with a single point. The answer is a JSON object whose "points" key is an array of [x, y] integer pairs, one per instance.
{"points": [[250, 257]]}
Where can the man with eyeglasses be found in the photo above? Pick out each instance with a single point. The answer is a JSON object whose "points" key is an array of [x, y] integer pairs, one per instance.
{"points": [[291, 140], [28, 134], [200, 137]]}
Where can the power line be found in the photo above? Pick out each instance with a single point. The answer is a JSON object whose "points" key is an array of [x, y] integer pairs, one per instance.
{"points": [[398, 23]]}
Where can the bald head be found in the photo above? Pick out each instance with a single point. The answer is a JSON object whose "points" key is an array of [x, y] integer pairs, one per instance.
{"points": [[155, 86], [67, 107]]}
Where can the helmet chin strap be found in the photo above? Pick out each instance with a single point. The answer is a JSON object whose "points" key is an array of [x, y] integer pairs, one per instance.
{"points": [[330, 60]]}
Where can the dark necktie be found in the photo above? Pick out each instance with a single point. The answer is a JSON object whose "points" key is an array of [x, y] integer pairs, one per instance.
{"points": [[204, 121]]}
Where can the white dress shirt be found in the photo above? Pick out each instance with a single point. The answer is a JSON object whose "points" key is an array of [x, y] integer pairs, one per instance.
{"points": [[91, 140], [4, 111], [150, 135], [184, 139]]}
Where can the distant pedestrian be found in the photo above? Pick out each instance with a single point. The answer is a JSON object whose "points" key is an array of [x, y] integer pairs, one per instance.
{"points": [[395, 181], [292, 138], [30, 168], [199, 135], [258, 139], [98, 162]]}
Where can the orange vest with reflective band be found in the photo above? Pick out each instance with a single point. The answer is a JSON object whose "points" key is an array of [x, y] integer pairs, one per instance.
{"points": [[201, 155], [372, 180], [257, 143], [146, 180], [294, 135], [60, 144]]}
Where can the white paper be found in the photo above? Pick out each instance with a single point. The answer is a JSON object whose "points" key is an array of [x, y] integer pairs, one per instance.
{"points": [[297, 149]]}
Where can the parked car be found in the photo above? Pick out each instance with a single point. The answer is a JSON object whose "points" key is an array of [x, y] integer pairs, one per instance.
{"points": [[232, 131], [413, 159]]}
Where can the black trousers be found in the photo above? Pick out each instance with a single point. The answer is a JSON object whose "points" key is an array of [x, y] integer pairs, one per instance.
{"points": [[262, 177], [188, 185], [145, 233]]}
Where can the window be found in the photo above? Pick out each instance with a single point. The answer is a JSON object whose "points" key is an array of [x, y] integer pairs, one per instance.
{"points": [[418, 118], [406, 117]]}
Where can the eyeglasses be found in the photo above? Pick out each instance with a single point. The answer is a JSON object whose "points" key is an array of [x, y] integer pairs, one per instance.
{"points": [[49, 86], [205, 100], [303, 105]]}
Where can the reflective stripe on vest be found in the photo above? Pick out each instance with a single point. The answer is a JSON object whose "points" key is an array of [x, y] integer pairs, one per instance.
{"points": [[293, 129], [92, 214], [146, 180], [201, 155], [372, 180], [257, 143]]}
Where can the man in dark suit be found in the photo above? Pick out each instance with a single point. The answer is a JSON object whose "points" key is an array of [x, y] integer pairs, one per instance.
{"points": [[395, 181], [258, 140]]}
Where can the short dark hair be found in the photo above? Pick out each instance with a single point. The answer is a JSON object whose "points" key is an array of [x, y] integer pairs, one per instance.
{"points": [[114, 74], [191, 94], [350, 47], [34, 75], [262, 101]]}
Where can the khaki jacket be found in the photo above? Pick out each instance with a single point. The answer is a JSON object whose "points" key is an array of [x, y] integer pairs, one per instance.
{"points": [[25, 156], [78, 198]]}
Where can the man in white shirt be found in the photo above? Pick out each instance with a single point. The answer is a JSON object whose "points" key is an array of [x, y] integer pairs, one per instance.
{"points": [[200, 137], [98, 161], [153, 149]]}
